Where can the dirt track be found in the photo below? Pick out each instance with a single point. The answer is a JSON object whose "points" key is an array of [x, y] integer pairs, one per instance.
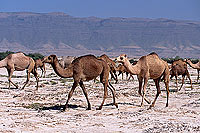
{"points": [[38, 111]]}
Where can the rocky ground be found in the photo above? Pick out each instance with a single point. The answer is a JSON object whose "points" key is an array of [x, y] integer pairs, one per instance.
{"points": [[29, 110]]}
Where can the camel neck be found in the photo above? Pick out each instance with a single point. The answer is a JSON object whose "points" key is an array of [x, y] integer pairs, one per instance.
{"points": [[3, 63], [133, 69], [194, 66], [64, 73]]}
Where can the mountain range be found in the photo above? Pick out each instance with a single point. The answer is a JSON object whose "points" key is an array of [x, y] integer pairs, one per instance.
{"points": [[62, 34]]}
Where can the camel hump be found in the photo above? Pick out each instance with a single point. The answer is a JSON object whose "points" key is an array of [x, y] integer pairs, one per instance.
{"points": [[153, 53], [86, 57], [9, 56], [103, 55]]}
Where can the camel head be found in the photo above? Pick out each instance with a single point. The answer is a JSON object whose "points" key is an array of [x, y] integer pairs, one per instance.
{"points": [[122, 58], [187, 60], [49, 59]]}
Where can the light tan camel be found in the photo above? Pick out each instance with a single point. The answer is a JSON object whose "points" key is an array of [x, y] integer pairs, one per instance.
{"points": [[112, 66], [179, 67], [66, 61], [41, 65], [83, 68], [194, 66], [122, 69], [149, 66], [19, 62]]}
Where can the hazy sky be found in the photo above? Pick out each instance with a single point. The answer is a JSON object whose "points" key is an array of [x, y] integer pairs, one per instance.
{"points": [[172, 9]]}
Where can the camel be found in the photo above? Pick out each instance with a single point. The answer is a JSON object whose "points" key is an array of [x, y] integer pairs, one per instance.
{"points": [[179, 67], [19, 62], [149, 66], [112, 66], [41, 65], [194, 66], [83, 68], [66, 60], [122, 69]]}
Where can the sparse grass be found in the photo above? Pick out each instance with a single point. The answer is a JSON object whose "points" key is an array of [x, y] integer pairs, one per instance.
{"points": [[53, 82], [64, 80], [34, 106], [51, 75], [187, 86], [47, 83], [3, 75]]}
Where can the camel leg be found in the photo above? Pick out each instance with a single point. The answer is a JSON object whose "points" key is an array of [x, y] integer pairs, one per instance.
{"points": [[104, 81], [144, 90], [131, 76], [126, 76], [86, 95], [176, 82], [36, 77], [198, 75], [167, 88], [104, 97], [188, 75], [27, 80], [183, 77], [42, 72], [70, 94], [44, 69], [113, 76], [113, 93], [140, 79], [116, 78], [157, 81], [10, 73]]}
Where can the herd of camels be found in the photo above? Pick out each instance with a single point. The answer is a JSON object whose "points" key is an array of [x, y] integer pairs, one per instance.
{"points": [[89, 67]]}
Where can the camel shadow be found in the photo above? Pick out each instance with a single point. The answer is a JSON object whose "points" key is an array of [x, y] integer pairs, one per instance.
{"points": [[60, 107], [11, 88], [111, 104]]}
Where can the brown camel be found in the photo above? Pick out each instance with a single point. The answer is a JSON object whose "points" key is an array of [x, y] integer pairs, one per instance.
{"points": [[122, 69], [194, 66], [149, 66], [66, 61], [41, 65], [83, 68], [112, 66], [19, 62], [179, 67]]}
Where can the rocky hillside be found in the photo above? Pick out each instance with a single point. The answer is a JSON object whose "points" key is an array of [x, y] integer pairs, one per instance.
{"points": [[66, 35]]}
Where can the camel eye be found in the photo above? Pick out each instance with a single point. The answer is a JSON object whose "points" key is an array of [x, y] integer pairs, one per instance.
{"points": [[49, 58], [121, 58]]}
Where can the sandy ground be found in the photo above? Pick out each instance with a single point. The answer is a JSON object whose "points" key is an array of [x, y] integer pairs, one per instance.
{"points": [[39, 111]]}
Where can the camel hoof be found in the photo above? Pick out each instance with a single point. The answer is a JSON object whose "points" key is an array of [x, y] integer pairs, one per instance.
{"points": [[151, 106], [116, 105], [99, 108], [89, 108], [61, 110]]}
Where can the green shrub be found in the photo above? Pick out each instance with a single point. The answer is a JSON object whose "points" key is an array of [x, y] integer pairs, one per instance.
{"points": [[4, 54], [35, 56]]}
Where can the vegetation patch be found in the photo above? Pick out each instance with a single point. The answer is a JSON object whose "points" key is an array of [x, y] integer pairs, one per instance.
{"points": [[34, 106], [53, 82]]}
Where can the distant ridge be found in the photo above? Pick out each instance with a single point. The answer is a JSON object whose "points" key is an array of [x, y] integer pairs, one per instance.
{"points": [[62, 34]]}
